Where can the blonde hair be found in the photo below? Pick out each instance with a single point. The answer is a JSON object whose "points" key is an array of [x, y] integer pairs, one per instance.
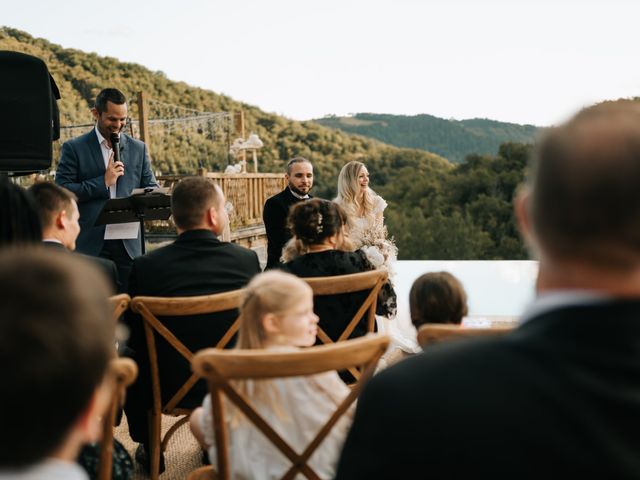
{"points": [[269, 292], [349, 196]]}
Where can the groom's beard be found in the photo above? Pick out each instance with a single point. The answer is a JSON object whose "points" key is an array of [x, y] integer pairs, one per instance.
{"points": [[298, 192]]}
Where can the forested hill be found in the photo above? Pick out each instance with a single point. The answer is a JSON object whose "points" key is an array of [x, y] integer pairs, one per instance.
{"points": [[453, 139], [80, 76], [437, 210]]}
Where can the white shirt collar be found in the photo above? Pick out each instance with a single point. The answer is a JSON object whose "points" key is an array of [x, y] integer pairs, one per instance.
{"points": [[553, 300], [52, 240], [101, 139], [298, 196]]}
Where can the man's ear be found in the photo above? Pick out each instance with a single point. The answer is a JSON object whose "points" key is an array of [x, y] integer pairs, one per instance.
{"points": [[61, 220], [521, 204], [95, 113], [89, 424], [212, 218]]}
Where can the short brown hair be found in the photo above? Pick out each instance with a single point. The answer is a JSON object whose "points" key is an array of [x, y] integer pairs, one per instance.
{"points": [[437, 297], [190, 200], [584, 187], [56, 337], [50, 200], [295, 160]]}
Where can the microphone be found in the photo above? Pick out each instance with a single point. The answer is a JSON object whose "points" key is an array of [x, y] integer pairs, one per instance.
{"points": [[115, 144]]}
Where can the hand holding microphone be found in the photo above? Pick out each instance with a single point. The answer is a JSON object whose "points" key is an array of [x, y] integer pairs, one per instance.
{"points": [[115, 168]]}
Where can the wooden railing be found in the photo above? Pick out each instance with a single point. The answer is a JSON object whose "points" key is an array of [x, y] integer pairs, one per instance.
{"points": [[247, 192]]}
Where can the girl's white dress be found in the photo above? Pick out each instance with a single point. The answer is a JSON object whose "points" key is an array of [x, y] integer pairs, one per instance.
{"points": [[303, 406]]}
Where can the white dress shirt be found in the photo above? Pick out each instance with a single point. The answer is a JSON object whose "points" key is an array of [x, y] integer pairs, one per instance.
{"points": [[107, 151]]}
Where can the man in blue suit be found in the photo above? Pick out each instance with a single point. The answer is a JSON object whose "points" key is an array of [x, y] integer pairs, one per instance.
{"points": [[88, 169]]}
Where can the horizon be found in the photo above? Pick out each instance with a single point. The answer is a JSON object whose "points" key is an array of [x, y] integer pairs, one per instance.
{"points": [[535, 63]]}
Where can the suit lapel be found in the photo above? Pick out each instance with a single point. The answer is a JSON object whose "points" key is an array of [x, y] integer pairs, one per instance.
{"points": [[96, 151]]}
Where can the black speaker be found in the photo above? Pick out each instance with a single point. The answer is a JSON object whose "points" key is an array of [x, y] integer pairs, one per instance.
{"points": [[29, 115]]}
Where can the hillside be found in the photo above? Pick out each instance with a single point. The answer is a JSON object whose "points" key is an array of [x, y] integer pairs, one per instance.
{"points": [[437, 210], [452, 139], [80, 76]]}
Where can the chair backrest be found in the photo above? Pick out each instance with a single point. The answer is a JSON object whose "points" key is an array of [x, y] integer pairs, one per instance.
{"points": [[370, 281], [119, 305], [432, 333], [150, 308], [354, 282], [122, 372], [221, 366]]}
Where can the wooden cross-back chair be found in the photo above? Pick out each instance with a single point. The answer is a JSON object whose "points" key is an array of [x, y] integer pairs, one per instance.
{"points": [[119, 304], [121, 373], [355, 282], [150, 308], [432, 333], [219, 367]]}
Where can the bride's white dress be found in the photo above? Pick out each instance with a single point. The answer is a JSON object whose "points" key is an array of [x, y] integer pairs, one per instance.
{"points": [[370, 234]]}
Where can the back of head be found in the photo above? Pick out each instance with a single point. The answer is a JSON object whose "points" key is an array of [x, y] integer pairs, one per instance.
{"points": [[190, 200], [315, 220], [51, 199], [56, 337], [437, 297], [269, 292], [112, 95], [19, 220], [584, 201]]}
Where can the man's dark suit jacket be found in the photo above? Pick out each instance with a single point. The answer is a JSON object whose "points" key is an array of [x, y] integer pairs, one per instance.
{"points": [[274, 216], [81, 170], [557, 398], [197, 263], [105, 265]]}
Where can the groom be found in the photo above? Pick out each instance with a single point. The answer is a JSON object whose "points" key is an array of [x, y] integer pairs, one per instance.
{"points": [[300, 180]]}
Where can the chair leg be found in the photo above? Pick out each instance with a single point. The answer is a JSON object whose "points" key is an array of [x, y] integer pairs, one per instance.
{"points": [[155, 427]]}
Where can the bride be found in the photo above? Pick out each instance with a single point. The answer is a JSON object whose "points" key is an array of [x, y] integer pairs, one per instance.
{"points": [[365, 211], [367, 232]]}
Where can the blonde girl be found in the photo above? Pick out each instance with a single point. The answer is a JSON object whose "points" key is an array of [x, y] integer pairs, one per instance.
{"points": [[277, 313]]}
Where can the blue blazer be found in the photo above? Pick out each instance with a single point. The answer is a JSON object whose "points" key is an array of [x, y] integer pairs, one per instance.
{"points": [[81, 170]]}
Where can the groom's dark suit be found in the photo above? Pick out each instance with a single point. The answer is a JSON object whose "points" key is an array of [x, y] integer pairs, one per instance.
{"points": [[557, 398], [81, 170], [197, 263], [274, 216]]}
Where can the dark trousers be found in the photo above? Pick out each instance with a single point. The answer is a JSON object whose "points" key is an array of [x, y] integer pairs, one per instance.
{"points": [[114, 250]]}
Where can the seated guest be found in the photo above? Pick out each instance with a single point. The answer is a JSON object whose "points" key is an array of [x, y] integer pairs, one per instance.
{"points": [[19, 221], [277, 313], [437, 297], [59, 215], [319, 243], [56, 338], [197, 263]]}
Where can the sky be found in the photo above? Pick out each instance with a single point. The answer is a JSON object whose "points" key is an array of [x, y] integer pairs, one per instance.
{"points": [[522, 61]]}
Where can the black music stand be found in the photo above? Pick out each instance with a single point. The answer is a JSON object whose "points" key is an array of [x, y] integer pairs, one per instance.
{"points": [[149, 205]]}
